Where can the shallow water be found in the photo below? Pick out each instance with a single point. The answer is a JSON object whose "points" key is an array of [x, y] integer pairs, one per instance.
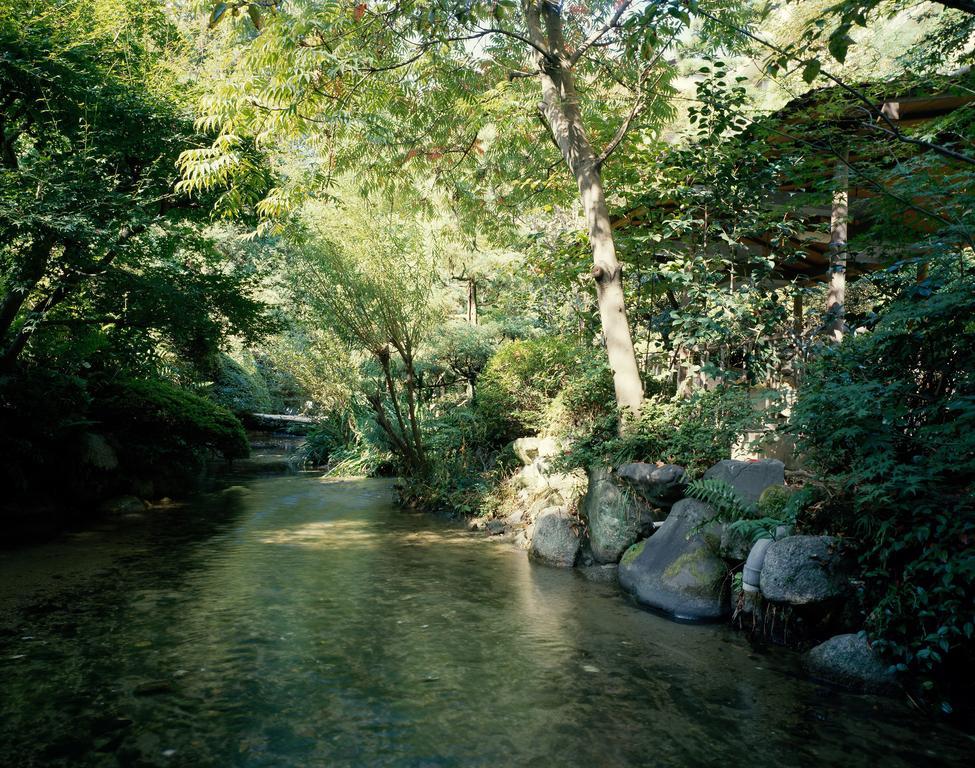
{"points": [[305, 622]]}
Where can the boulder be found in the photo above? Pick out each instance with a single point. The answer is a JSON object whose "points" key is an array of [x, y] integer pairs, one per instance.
{"points": [[530, 478], [569, 486], [849, 661], [518, 517], [528, 449], [748, 478], [555, 540], [615, 519], [122, 505], [494, 527], [678, 570], [661, 486], [602, 574], [800, 570]]}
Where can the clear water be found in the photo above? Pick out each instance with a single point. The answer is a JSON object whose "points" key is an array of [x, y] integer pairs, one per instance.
{"points": [[302, 622]]}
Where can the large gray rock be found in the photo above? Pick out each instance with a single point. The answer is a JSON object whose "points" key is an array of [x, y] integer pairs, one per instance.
{"points": [[555, 540], [122, 505], [849, 661], [678, 570], [661, 486], [615, 518], [748, 478], [806, 569], [528, 449]]}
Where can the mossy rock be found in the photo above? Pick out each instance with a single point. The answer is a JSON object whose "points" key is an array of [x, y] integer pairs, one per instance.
{"points": [[774, 499]]}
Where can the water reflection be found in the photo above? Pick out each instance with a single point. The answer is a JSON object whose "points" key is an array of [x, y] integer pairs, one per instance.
{"points": [[307, 623]]}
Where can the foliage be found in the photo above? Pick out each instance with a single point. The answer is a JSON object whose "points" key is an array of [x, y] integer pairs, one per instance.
{"points": [[458, 353], [96, 252], [169, 420], [517, 383], [707, 299], [722, 496], [371, 282], [240, 389], [899, 440], [694, 432]]}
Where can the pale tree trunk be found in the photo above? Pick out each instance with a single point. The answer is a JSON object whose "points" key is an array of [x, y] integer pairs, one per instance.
{"points": [[836, 295], [472, 301], [561, 113]]}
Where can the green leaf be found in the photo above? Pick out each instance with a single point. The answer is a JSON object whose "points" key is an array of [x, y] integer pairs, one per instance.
{"points": [[255, 13], [217, 14], [811, 71], [840, 42]]}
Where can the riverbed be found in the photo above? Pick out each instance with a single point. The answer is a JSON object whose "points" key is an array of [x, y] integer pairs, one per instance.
{"points": [[302, 621]]}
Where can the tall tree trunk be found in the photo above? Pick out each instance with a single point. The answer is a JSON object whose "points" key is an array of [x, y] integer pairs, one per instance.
{"points": [[472, 301], [836, 296], [23, 283], [560, 110]]}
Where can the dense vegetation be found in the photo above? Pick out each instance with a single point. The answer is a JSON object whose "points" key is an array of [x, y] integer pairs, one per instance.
{"points": [[361, 211]]}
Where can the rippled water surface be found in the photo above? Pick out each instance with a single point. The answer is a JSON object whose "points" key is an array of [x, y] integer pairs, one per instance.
{"points": [[304, 622]]}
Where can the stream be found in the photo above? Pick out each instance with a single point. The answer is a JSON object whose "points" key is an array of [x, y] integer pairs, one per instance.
{"points": [[301, 621]]}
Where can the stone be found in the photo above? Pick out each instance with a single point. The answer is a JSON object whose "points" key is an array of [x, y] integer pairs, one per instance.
{"points": [[748, 478], [615, 519], [122, 505], [515, 518], [849, 662], [555, 538], [531, 479], [800, 570], [678, 570], [569, 486], [528, 449], [494, 527], [661, 486], [601, 574]]}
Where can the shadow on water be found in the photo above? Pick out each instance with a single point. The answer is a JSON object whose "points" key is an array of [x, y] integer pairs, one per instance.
{"points": [[296, 621]]}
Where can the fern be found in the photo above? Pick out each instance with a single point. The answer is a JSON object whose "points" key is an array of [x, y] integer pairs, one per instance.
{"points": [[725, 500]]}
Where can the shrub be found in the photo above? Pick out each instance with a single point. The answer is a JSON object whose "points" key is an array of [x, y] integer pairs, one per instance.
{"points": [[241, 388], [349, 443], [889, 416], [517, 383], [165, 433], [464, 464], [694, 432]]}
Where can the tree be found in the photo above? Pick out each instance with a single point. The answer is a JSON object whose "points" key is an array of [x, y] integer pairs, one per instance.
{"points": [[94, 244], [387, 84], [369, 275]]}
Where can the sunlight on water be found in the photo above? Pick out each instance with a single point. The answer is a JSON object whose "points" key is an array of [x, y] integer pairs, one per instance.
{"points": [[297, 622]]}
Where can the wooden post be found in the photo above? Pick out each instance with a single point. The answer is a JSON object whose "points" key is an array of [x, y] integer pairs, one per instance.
{"points": [[797, 316], [836, 296]]}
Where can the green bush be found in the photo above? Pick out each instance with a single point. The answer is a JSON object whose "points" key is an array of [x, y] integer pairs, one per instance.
{"points": [[464, 464], [889, 416], [695, 432], [163, 419], [348, 443], [240, 388], [517, 384]]}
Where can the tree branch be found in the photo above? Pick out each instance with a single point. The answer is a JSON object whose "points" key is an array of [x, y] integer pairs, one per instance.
{"points": [[597, 34], [893, 130]]}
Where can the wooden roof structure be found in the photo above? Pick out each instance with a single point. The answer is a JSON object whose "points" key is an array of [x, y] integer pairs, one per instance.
{"points": [[909, 109]]}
